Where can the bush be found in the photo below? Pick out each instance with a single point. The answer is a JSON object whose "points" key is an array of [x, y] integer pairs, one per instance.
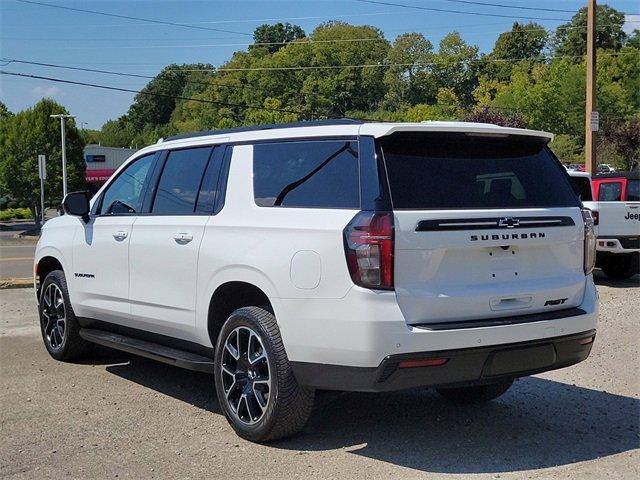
{"points": [[12, 204], [18, 213]]}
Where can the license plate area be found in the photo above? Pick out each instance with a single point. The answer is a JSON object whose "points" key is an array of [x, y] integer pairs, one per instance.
{"points": [[503, 362]]}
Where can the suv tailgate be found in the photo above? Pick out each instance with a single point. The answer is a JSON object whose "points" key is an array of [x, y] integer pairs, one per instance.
{"points": [[485, 228]]}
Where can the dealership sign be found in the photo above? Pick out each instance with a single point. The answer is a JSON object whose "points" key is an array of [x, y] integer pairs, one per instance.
{"points": [[98, 176]]}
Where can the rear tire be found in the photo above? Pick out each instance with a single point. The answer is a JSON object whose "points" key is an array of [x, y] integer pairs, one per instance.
{"points": [[620, 266], [476, 394], [255, 385], [58, 323]]}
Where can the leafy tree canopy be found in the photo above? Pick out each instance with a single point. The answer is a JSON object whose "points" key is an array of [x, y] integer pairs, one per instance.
{"points": [[274, 37]]}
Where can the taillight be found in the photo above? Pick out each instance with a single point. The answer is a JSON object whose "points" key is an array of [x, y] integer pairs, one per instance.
{"points": [[596, 216], [368, 245], [589, 241]]}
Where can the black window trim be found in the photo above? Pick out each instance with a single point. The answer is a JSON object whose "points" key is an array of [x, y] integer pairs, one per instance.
{"points": [[345, 138]]}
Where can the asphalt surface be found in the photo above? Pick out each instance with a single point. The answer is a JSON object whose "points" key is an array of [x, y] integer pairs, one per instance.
{"points": [[16, 259], [118, 416]]}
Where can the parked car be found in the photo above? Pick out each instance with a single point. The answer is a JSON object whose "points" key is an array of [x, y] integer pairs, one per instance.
{"points": [[328, 255], [617, 201]]}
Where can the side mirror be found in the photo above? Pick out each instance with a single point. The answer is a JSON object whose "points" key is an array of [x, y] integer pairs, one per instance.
{"points": [[77, 204]]}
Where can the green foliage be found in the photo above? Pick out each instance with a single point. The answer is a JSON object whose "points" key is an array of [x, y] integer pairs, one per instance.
{"points": [[571, 38], [567, 149], [523, 41], [4, 111], [17, 213], [456, 67], [276, 36], [23, 137]]}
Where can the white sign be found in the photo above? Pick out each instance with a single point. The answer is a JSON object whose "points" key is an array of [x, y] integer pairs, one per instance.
{"points": [[595, 121], [42, 167]]}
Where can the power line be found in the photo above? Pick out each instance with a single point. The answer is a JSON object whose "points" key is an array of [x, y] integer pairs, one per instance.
{"points": [[448, 10], [128, 90], [150, 77], [148, 20], [515, 7]]}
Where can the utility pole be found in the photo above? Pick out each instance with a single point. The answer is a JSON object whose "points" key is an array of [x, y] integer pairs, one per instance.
{"points": [[591, 115], [62, 118], [42, 173]]}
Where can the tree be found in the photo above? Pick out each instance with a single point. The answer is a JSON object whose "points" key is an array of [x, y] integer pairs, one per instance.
{"points": [[276, 36], [409, 79], [571, 38], [502, 117], [634, 39], [4, 111], [156, 102], [455, 66], [625, 138], [524, 42], [23, 137]]}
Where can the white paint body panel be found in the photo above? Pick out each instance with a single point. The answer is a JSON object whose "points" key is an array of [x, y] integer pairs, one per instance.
{"points": [[296, 257]]}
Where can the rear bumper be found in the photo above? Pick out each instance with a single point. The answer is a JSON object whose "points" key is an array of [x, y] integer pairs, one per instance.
{"points": [[468, 366], [625, 244]]}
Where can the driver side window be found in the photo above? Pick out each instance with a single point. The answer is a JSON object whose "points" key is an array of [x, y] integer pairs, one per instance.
{"points": [[126, 194]]}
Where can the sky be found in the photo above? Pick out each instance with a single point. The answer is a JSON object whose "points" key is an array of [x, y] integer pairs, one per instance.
{"points": [[39, 33]]}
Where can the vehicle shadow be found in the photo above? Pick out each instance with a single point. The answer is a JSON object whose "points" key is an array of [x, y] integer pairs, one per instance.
{"points": [[601, 279], [538, 424]]}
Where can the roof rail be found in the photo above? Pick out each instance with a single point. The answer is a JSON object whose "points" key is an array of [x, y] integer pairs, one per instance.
{"points": [[253, 128]]}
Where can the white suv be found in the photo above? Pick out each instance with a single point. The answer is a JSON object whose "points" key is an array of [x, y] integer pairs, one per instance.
{"points": [[328, 255]]}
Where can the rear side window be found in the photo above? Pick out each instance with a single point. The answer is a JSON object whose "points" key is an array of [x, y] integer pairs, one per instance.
{"points": [[582, 188], [436, 171], [320, 174], [180, 181], [610, 192], [633, 190]]}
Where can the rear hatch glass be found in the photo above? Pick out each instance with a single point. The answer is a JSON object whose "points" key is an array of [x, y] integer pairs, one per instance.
{"points": [[484, 227]]}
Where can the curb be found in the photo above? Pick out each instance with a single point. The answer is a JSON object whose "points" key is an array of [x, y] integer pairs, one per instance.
{"points": [[8, 283]]}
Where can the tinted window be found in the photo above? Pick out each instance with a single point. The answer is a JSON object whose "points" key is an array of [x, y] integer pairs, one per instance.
{"points": [[610, 192], [180, 181], [209, 187], [582, 187], [126, 193], [428, 171], [633, 190], [306, 174]]}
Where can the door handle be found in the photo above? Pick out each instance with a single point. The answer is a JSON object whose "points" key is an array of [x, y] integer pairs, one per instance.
{"points": [[183, 238], [120, 235]]}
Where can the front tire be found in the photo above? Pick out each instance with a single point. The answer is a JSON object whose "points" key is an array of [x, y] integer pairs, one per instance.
{"points": [[255, 385], [475, 394], [58, 323]]}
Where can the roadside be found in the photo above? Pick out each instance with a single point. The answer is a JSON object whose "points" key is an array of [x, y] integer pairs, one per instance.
{"points": [[118, 416]]}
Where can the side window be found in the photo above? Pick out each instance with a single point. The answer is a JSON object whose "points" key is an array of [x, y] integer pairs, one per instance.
{"points": [[126, 192], [180, 181], [322, 173], [610, 192], [633, 190]]}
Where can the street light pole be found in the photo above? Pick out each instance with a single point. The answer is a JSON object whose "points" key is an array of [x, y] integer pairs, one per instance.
{"points": [[62, 118]]}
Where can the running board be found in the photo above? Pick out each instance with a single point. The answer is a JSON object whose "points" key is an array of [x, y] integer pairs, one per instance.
{"points": [[154, 351]]}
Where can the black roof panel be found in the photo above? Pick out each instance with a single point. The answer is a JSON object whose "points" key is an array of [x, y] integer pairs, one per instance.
{"points": [[273, 126]]}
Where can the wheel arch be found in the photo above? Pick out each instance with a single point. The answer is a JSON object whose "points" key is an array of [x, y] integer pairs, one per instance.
{"points": [[229, 297], [46, 264]]}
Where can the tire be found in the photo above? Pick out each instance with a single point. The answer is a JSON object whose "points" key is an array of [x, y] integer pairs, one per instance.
{"points": [[58, 324], [273, 408], [620, 266], [476, 394]]}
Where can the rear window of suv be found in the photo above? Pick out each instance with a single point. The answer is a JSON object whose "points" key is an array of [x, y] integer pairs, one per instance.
{"points": [[455, 171]]}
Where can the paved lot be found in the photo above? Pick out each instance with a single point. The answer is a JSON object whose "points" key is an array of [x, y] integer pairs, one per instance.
{"points": [[16, 259], [126, 417]]}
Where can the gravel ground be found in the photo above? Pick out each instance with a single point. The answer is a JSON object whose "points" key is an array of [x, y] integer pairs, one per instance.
{"points": [[118, 416]]}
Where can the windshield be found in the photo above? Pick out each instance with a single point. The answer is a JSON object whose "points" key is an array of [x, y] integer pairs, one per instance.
{"points": [[454, 171]]}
